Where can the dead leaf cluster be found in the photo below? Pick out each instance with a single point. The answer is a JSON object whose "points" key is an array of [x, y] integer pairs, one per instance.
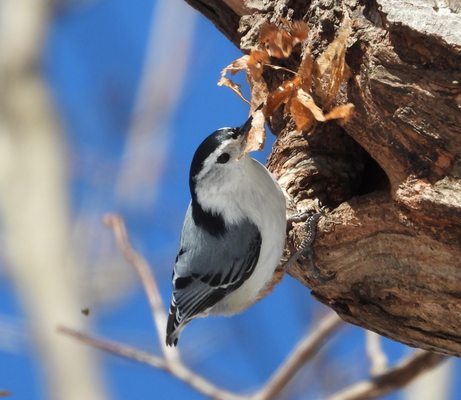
{"points": [[317, 81]]}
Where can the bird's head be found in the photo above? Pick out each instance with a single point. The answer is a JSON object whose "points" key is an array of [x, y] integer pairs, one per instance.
{"points": [[219, 161]]}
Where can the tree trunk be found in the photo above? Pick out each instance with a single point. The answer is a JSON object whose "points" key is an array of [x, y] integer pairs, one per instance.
{"points": [[34, 215], [388, 254]]}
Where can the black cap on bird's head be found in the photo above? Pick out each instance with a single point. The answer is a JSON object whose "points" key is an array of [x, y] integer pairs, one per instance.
{"points": [[217, 141]]}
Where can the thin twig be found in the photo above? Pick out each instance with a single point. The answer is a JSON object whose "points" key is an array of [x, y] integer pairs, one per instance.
{"points": [[116, 348], [376, 355], [393, 379], [174, 367], [303, 352], [116, 223]]}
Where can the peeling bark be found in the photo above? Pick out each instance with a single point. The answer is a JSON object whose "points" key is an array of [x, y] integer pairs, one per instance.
{"points": [[388, 254]]}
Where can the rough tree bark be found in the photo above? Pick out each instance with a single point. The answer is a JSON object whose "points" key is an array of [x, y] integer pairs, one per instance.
{"points": [[389, 252]]}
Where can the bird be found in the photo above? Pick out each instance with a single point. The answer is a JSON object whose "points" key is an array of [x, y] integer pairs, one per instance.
{"points": [[233, 233]]}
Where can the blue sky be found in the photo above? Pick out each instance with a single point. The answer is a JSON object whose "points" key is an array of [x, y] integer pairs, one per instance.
{"points": [[92, 60]]}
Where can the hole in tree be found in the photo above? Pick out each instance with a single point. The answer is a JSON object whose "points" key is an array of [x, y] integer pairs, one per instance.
{"points": [[373, 178], [340, 168]]}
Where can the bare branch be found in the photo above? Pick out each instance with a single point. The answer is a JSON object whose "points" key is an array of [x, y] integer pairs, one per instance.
{"points": [[116, 348], [376, 355], [306, 349], [116, 223], [395, 378], [172, 366], [157, 97]]}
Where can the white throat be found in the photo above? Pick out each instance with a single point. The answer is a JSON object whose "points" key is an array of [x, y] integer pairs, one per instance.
{"points": [[227, 193]]}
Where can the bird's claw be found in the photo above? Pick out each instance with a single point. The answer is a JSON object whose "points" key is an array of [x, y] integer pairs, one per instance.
{"points": [[306, 248]]}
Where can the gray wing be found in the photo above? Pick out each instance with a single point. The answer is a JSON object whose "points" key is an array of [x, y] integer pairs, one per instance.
{"points": [[208, 267]]}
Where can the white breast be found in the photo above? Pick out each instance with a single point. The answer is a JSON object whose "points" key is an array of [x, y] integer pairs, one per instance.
{"points": [[256, 194]]}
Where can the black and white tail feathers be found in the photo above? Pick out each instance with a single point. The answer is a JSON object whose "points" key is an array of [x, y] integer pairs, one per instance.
{"points": [[172, 327]]}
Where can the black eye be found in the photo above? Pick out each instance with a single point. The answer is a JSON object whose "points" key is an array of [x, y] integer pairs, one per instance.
{"points": [[223, 158]]}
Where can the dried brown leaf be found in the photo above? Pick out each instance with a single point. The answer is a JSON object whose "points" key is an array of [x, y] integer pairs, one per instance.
{"points": [[302, 116], [330, 69], [235, 87], [256, 61], [305, 70], [304, 111], [253, 65], [240, 64], [343, 111], [257, 135], [299, 31], [277, 42], [307, 101], [281, 95]]}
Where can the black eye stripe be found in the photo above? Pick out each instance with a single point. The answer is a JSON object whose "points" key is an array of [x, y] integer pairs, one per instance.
{"points": [[223, 158]]}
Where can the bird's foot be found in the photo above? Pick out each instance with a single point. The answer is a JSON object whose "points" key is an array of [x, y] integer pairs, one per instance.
{"points": [[306, 249]]}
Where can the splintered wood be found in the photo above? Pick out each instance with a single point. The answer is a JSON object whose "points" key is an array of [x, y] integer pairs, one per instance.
{"points": [[256, 137], [331, 69], [309, 95]]}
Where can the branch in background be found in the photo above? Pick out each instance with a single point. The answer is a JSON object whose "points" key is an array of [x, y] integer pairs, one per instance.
{"points": [[147, 279], [171, 362], [306, 349], [376, 355], [393, 379], [173, 366], [116, 348], [160, 88], [438, 383], [34, 206]]}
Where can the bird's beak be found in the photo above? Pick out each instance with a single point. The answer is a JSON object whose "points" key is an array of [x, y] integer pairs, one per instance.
{"points": [[243, 131], [242, 135]]}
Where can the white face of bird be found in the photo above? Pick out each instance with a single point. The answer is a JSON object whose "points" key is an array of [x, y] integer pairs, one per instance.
{"points": [[222, 175], [219, 167], [223, 162], [217, 159]]}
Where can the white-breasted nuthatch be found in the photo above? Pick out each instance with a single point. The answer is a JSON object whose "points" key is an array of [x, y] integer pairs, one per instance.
{"points": [[233, 234]]}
